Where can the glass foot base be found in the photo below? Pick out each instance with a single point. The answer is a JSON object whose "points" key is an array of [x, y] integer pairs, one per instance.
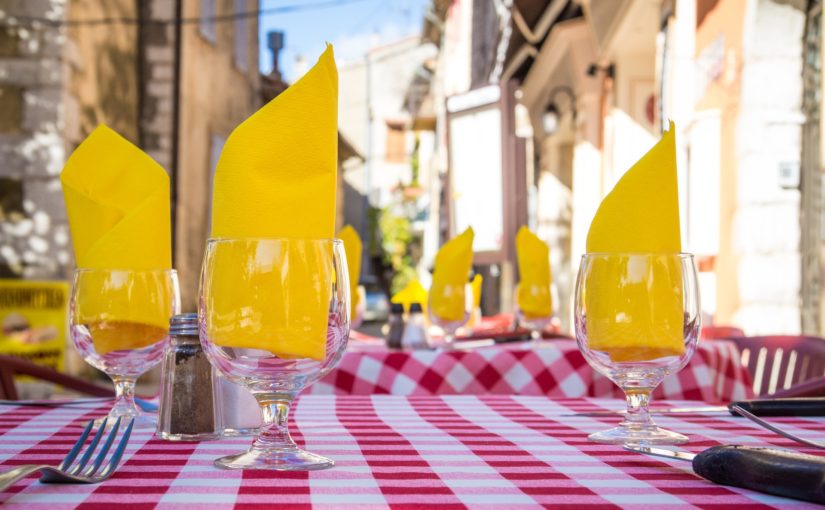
{"points": [[143, 421], [650, 435], [293, 459]]}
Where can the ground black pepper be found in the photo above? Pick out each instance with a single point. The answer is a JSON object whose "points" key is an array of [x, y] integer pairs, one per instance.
{"points": [[187, 407]]}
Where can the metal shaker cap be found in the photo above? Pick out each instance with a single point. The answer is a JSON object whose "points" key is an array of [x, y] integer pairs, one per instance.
{"points": [[184, 324]]}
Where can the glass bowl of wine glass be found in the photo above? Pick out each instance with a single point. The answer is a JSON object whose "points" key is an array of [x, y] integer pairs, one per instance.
{"points": [[119, 324], [449, 308], [637, 321], [274, 317]]}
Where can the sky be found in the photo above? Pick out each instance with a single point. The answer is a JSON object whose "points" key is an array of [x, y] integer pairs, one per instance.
{"points": [[352, 26]]}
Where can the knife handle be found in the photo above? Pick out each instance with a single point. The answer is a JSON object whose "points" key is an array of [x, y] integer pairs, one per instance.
{"points": [[783, 407], [778, 472]]}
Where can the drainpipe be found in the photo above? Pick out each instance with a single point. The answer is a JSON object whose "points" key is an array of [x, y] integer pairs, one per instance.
{"points": [[174, 170], [366, 257]]}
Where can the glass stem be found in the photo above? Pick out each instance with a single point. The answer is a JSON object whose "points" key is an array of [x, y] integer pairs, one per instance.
{"points": [[275, 431], [637, 414], [124, 395], [449, 340]]}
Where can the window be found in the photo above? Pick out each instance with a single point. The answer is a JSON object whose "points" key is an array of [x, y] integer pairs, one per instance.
{"points": [[241, 36], [207, 22], [396, 143]]}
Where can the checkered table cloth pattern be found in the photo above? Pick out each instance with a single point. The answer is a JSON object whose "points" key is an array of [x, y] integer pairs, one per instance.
{"points": [[402, 453], [553, 368]]}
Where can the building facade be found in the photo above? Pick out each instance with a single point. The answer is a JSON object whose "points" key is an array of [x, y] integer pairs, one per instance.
{"points": [[734, 76], [174, 89]]}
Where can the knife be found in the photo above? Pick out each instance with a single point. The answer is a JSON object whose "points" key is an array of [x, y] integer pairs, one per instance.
{"points": [[769, 470], [766, 407], [145, 405]]}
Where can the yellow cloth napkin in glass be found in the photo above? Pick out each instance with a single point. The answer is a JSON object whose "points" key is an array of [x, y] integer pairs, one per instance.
{"points": [[478, 280], [640, 215], [475, 314], [353, 248], [118, 205], [414, 292], [277, 177], [533, 254], [452, 268]]}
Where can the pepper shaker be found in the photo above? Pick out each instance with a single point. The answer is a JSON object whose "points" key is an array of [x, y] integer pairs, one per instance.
{"points": [[188, 399]]}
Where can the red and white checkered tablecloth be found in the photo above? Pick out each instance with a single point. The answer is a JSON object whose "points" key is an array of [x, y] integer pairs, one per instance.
{"points": [[553, 368], [455, 451]]}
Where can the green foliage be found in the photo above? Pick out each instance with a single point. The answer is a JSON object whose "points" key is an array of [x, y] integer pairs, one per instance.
{"points": [[396, 237], [415, 164], [391, 233]]}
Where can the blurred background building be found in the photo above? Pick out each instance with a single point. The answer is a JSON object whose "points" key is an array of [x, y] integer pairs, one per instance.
{"points": [[496, 114]]}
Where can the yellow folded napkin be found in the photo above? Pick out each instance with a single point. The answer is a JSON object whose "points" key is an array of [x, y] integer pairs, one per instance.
{"points": [[476, 286], [475, 314], [414, 292], [533, 254], [276, 177], [353, 248], [452, 267], [640, 215], [118, 205]]}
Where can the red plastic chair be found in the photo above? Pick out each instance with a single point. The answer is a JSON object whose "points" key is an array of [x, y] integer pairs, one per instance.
{"points": [[11, 366], [721, 332], [780, 363], [811, 388]]}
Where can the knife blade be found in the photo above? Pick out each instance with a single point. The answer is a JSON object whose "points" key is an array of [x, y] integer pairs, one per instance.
{"points": [[761, 407], [145, 405], [768, 470]]}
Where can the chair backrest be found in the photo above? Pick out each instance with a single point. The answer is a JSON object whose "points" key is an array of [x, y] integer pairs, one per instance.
{"points": [[779, 362], [719, 332], [11, 366]]}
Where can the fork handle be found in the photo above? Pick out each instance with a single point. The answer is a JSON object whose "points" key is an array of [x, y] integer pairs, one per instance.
{"points": [[8, 478]]}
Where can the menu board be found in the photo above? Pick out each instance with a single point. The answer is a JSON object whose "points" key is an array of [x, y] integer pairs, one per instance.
{"points": [[476, 175], [33, 315]]}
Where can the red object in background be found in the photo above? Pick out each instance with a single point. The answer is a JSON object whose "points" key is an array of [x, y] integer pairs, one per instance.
{"points": [[720, 332], [782, 362], [11, 366]]}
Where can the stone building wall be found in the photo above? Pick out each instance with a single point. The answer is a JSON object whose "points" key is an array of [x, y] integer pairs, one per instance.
{"points": [[56, 85], [157, 84], [34, 240], [766, 223]]}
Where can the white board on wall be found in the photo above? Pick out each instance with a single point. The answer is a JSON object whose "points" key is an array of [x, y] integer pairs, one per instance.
{"points": [[476, 176]]}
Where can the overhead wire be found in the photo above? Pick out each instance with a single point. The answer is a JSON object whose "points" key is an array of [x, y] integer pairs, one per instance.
{"points": [[12, 21]]}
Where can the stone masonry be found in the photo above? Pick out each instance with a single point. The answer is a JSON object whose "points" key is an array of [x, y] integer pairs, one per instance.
{"points": [[157, 68], [34, 239]]}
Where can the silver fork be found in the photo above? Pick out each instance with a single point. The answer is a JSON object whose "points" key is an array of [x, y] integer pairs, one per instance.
{"points": [[773, 428], [70, 472]]}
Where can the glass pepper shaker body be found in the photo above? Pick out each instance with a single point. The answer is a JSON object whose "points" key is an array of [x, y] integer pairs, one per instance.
{"points": [[189, 403]]}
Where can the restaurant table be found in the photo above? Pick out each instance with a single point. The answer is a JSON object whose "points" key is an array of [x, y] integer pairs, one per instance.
{"points": [[453, 451], [553, 368]]}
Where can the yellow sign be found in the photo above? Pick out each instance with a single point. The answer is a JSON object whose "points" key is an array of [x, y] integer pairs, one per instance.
{"points": [[33, 318]]}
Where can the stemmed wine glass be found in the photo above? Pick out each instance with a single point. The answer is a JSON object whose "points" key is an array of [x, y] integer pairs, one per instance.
{"points": [[637, 321], [274, 317], [119, 323], [537, 323], [449, 309]]}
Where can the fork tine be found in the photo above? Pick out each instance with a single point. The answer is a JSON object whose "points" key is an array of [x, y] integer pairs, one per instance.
{"points": [[77, 446], [102, 455], [121, 447], [90, 450]]}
